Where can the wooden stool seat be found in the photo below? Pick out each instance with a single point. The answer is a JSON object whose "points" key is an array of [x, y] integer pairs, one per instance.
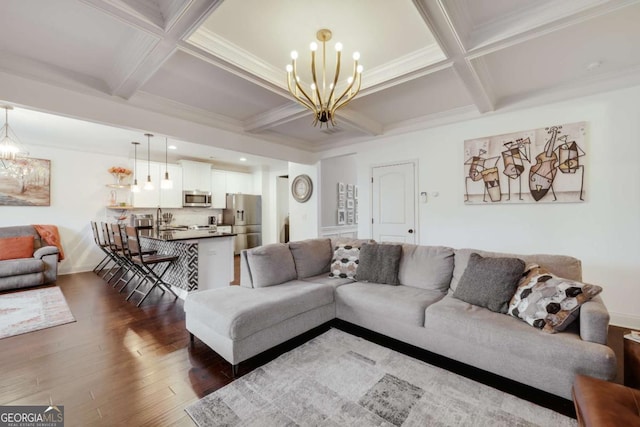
{"points": [[601, 403]]}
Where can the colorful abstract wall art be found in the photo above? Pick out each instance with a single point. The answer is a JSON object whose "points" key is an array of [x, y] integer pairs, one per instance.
{"points": [[544, 165]]}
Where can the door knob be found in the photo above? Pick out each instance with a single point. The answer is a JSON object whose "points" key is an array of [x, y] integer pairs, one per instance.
{"points": [[411, 231]]}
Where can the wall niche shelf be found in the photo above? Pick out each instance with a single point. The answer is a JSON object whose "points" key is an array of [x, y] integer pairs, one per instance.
{"points": [[120, 207], [119, 185]]}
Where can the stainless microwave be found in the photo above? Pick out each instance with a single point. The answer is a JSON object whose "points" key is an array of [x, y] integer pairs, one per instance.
{"points": [[196, 199]]}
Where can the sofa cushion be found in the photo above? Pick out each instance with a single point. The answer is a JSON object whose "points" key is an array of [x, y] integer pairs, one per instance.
{"points": [[16, 267], [561, 265], [16, 247], [312, 256], [490, 282], [457, 328], [238, 312], [324, 279], [344, 263], [427, 267], [401, 303], [379, 264], [271, 265], [549, 302]]}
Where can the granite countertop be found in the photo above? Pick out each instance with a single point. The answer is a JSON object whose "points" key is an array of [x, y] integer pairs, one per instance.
{"points": [[172, 235]]}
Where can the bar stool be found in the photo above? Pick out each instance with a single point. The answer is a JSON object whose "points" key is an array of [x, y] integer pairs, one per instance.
{"points": [[146, 265], [108, 257], [116, 253]]}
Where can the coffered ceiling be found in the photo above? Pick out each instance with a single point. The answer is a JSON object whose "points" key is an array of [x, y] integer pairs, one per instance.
{"points": [[222, 63]]}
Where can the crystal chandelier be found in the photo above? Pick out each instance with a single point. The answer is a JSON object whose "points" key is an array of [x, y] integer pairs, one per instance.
{"points": [[321, 98], [10, 146]]}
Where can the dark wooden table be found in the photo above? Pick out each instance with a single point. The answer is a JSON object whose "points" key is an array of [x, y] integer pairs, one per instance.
{"points": [[631, 362]]}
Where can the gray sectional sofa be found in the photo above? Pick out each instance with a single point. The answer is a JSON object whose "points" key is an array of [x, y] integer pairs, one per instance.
{"points": [[39, 269], [286, 290]]}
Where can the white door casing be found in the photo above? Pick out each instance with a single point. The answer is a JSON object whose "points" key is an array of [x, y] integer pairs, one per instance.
{"points": [[394, 203]]}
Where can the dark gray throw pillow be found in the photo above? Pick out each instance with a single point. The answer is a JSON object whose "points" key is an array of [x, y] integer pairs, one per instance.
{"points": [[379, 264], [490, 282]]}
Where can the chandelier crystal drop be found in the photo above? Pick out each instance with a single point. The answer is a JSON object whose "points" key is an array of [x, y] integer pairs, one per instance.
{"points": [[321, 98], [10, 146]]}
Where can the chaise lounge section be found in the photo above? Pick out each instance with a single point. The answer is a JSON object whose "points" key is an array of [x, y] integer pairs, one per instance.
{"points": [[286, 290]]}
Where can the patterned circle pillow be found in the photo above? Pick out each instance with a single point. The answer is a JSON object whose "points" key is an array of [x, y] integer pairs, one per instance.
{"points": [[344, 263], [548, 302]]}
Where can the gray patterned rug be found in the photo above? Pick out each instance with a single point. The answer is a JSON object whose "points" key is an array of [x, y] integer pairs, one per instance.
{"points": [[338, 379]]}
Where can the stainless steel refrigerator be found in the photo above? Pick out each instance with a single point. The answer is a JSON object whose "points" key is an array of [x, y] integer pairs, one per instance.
{"points": [[244, 214]]}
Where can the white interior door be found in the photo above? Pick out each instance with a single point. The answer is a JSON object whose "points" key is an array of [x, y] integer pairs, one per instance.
{"points": [[394, 203]]}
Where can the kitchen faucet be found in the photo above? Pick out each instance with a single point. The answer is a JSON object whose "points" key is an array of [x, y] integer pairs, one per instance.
{"points": [[158, 217]]}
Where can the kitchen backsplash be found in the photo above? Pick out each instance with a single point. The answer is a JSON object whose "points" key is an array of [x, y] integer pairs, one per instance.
{"points": [[185, 216]]}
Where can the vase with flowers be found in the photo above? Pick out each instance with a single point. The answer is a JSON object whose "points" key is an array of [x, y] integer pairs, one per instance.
{"points": [[119, 173]]}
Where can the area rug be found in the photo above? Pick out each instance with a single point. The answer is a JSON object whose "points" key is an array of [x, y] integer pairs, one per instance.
{"points": [[338, 379], [28, 311]]}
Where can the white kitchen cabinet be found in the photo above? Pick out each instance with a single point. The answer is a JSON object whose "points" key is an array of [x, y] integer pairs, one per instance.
{"points": [[239, 182], [195, 176], [172, 197], [218, 189]]}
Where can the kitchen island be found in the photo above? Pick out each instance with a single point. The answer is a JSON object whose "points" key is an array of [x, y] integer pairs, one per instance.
{"points": [[205, 257]]}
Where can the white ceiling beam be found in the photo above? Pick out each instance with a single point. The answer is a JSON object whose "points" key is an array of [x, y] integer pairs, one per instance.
{"points": [[135, 70], [441, 26]]}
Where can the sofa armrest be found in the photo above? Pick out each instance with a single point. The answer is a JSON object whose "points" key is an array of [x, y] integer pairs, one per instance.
{"points": [[49, 256], [594, 321], [45, 250]]}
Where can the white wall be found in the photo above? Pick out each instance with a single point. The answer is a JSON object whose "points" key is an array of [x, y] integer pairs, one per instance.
{"points": [[303, 217], [78, 195], [604, 231]]}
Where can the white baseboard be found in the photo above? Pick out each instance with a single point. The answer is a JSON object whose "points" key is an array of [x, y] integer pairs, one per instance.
{"points": [[625, 320]]}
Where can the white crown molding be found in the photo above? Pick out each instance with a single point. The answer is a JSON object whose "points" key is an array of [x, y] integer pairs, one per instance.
{"points": [[172, 11], [460, 21], [244, 60], [414, 61]]}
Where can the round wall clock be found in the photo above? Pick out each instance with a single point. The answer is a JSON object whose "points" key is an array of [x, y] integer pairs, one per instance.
{"points": [[302, 188]]}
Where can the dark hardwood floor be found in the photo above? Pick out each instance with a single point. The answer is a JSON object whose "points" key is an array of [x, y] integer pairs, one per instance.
{"points": [[123, 365]]}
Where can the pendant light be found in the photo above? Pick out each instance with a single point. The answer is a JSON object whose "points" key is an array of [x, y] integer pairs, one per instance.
{"points": [[148, 185], [135, 188], [166, 183]]}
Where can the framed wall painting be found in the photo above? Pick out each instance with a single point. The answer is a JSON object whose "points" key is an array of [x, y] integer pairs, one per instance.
{"points": [[341, 188], [25, 182], [350, 216], [350, 204], [355, 192], [342, 217], [341, 204], [349, 187], [543, 165]]}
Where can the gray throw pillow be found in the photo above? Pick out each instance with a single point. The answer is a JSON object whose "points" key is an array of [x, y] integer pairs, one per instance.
{"points": [[379, 264], [490, 282], [312, 256], [271, 265]]}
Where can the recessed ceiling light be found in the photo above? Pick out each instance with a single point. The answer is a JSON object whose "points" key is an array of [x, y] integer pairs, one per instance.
{"points": [[172, 147], [593, 65], [243, 159]]}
